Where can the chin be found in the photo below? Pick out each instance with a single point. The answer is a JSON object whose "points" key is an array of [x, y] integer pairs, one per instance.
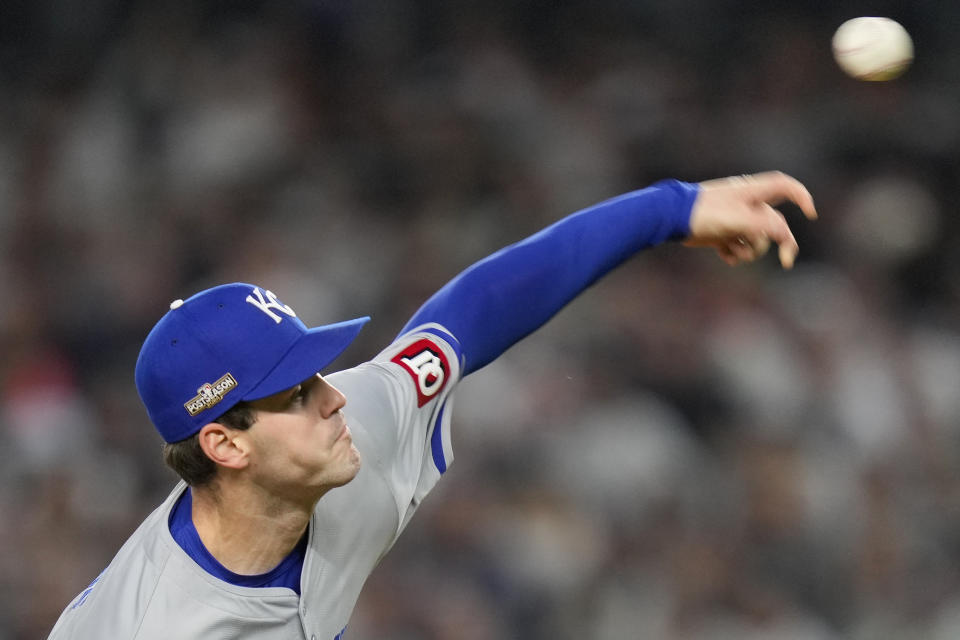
{"points": [[350, 469]]}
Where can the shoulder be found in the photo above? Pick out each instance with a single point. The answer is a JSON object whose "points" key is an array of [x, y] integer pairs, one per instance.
{"points": [[113, 605], [152, 590], [419, 365], [428, 358]]}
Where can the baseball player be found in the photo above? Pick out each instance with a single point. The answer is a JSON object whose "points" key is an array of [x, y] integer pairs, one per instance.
{"points": [[296, 484]]}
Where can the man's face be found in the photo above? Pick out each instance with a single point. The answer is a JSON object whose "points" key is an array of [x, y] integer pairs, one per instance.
{"points": [[301, 444]]}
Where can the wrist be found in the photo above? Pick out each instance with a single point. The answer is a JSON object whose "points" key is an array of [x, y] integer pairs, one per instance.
{"points": [[673, 204]]}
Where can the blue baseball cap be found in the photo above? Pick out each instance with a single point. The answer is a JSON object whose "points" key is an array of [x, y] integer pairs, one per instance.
{"points": [[224, 345]]}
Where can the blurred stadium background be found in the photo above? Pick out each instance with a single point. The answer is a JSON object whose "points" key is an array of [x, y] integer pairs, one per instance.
{"points": [[687, 452]]}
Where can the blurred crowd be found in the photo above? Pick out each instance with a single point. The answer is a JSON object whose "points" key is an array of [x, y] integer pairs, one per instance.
{"points": [[687, 452]]}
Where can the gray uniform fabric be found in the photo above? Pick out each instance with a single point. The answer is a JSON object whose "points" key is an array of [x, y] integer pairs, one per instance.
{"points": [[152, 590]]}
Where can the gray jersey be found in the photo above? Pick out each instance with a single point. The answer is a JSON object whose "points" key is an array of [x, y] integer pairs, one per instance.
{"points": [[398, 408]]}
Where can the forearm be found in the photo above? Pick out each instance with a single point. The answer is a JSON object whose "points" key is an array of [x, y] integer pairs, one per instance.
{"points": [[506, 296]]}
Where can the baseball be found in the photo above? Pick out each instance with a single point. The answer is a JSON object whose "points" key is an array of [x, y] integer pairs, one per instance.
{"points": [[872, 48]]}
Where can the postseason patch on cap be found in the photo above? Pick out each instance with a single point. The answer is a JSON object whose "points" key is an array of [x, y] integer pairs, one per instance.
{"points": [[426, 362], [210, 394]]}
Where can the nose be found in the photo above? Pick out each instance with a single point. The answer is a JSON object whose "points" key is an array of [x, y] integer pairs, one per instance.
{"points": [[331, 399]]}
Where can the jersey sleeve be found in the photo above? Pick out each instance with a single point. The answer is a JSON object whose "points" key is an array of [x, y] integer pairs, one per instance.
{"points": [[504, 297], [402, 402]]}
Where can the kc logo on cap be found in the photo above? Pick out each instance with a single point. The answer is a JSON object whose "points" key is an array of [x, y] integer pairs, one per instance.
{"points": [[269, 303]]}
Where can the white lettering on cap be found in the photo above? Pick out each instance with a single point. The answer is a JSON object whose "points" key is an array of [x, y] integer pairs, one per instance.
{"points": [[268, 303]]}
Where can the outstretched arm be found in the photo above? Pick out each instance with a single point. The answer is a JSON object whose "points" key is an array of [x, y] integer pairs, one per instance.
{"points": [[503, 298]]}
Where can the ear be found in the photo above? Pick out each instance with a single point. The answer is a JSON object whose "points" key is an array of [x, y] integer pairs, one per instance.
{"points": [[224, 446]]}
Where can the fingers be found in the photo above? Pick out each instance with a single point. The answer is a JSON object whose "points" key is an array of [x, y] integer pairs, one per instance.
{"points": [[743, 249], [773, 187], [760, 245], [767, 189], [736, 216], [752, 245], [779, 232]]}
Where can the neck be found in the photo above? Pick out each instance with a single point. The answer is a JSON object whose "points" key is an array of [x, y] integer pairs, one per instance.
{"points": [[247, 533]]}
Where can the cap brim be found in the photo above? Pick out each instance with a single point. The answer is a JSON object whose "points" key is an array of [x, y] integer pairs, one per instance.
{"points": [[315, 349]]}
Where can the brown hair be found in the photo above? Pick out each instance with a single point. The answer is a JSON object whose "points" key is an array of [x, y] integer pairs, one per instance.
{"points": [[187, 458]]}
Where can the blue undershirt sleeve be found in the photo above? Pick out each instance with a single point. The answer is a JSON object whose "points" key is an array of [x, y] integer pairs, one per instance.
{"points": [[506, 296]]}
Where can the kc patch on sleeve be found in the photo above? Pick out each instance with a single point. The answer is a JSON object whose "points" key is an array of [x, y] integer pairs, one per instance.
{"points": [[428, 366]]}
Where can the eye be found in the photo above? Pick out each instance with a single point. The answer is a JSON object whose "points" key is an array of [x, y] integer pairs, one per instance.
{"points": [[300, 393]]}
